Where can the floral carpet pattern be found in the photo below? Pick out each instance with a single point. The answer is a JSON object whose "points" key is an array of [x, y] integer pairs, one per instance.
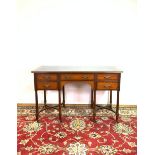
{"points": [[77, 134]]}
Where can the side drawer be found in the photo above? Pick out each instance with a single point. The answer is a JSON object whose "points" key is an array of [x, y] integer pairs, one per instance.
{"points": [[47, 85], [107, 86], [107, 76], [83, 77], [46, 77]]}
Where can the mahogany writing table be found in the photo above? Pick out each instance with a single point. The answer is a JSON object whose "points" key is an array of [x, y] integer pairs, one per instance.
{"points": [[55, 78]]}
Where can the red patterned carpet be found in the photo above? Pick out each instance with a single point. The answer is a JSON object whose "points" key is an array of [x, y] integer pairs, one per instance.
{"points": [[77, 134]]}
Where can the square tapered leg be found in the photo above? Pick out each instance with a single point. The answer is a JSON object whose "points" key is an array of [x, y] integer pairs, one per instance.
{"points": [[59, 94]]}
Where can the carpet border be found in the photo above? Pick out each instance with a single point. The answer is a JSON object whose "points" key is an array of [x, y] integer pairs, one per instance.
{"points": [[78, 105]]}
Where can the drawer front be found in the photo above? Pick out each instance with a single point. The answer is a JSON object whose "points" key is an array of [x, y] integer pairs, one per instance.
{"points": [[83, 77], [107, 86], [46, 77], [107, 76], [47, 85]]}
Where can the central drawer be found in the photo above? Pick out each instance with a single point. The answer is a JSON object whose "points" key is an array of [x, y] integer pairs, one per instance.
{"points": [[73, 77]]}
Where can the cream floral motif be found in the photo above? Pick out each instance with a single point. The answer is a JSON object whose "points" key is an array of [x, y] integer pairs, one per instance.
{"points": [[77, 124], [104, 118], [61, 134], [94, 135], [30, 117], [47, 149], [29, 148], [99, 121], [41, 139], [131, 112], [24, 141], [132, 144], [125, 119], [77, 149], [126, 150], [123, 129], [77, 137], [32, 127], [107, 150]]}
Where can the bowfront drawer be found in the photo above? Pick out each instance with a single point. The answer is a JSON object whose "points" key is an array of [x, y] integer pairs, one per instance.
{"points": [[83, 77], [47, 85], [106, 76], [107, 86], [46, 77]]}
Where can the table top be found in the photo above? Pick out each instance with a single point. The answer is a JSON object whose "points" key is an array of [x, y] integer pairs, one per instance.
{"points": [[108, 69]]}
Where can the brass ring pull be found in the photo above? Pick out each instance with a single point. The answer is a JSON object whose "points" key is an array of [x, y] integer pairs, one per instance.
{"points": [[85, 77], [47, 85], [47, 77], [107, 85], [66, 77], [107, 76]]}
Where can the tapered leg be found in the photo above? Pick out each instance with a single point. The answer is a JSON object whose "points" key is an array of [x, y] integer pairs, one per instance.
{"points": [[63, 92], [94, 106], [117, 106], [59, 94], [36, 99], [45, 98], [110, 98], [92, 98]]}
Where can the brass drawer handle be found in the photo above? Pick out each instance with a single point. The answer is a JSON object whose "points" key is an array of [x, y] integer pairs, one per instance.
{"points": [[47, 85], [85, 77], [67, 77], [107, 85], [107, 76], [47, 77]]}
